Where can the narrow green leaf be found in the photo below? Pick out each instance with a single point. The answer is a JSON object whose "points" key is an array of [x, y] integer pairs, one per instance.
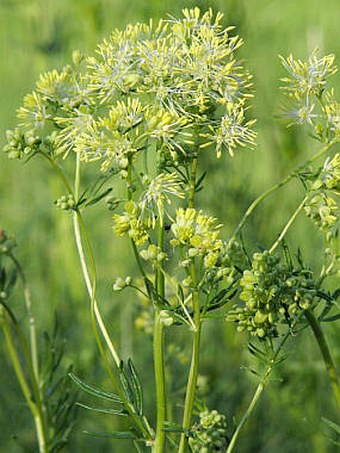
{"points": [[98, 197], [331, 318], [11, 280], [114, 435], [221, 299], [102, 410], [95, 391], [200, 181], [136, 387], [255, 351], [126, 384], [334, 426], [2, 277], [157, 300]]}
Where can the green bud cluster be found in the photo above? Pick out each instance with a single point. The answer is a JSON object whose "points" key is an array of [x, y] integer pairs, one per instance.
{"points": [[21, 145], [121, 284], [7, 243], [231, 256], [209, 435], [272, 293], [66, 203], [153, 254]]}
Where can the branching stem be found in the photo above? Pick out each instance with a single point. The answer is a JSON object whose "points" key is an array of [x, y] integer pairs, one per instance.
{"points": [[90, 281], [288, 225], [263, 381], [34, 406], [326, 354], [275, 187]]}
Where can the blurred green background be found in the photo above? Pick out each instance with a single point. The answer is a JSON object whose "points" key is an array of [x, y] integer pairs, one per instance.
{"points": [[38, 35]]}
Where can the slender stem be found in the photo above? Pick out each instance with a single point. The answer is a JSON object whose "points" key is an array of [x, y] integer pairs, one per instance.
{"points": [[194, 168], [97, 320], [250, 408], [288, 225], [193, 372], [263, 381], [158, 349], [326, 354], [78, 222], [90, 285], [80, 231], [59, 171], [32, 326], [31, 355], [275, 187], [34, 408]]}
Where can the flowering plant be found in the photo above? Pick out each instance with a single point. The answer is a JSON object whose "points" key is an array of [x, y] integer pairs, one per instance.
{"points": [[146, 107]]}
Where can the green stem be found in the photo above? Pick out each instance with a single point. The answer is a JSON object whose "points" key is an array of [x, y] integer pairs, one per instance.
{"points": [[34, 408], [193, 374], [258, 392], [97, 321], [79, 226], [275, 187], [31, 354], [90, 285], [322, 343], [194, 364], [194, 168], [288, 224], [158, 349], [32, 326], [59, 171]]}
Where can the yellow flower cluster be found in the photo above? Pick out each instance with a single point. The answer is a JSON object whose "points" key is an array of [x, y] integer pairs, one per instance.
{"points": [[198, 233]]}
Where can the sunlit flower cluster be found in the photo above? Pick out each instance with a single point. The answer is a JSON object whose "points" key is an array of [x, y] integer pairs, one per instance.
{"points": [[232, 131], [308, 78], [130, 223], [332, 112], [322, 206], [322, 209], [198, 234], [176, 83], [157, 194], [310, 101]]}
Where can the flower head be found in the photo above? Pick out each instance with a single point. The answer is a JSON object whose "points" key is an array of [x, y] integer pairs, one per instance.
{"points": [[198, 234], [231, 131], [131, 223], [158, 194], [307, 78]]}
